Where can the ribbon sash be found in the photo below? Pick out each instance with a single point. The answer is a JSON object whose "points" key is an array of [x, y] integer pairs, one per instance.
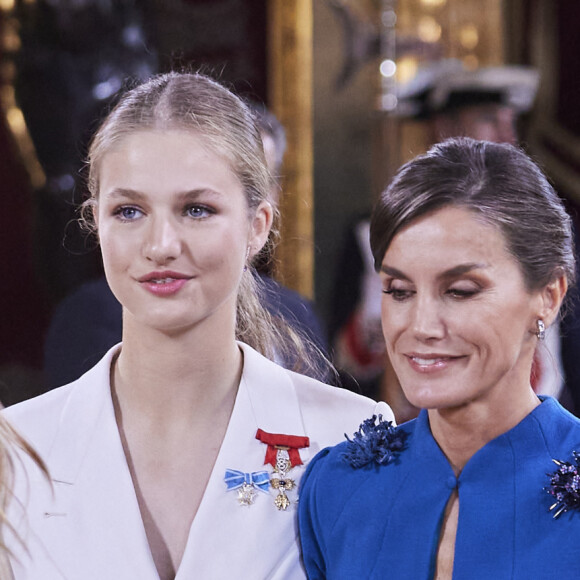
{"points": [[276, 441], [235, 479]]}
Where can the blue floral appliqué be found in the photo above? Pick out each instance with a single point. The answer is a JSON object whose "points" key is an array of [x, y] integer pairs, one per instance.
{"points": [[565, 485], [380, 443]]}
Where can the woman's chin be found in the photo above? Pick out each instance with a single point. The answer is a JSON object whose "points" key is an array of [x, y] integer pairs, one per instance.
{"points": [[429, 399]]}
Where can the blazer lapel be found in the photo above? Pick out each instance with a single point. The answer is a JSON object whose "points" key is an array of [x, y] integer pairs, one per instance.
{"points": [[248, 541], [94, 498], [273, 398]]}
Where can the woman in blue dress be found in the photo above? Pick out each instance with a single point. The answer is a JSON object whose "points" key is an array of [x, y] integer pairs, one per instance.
{"points": [[474, 250]]}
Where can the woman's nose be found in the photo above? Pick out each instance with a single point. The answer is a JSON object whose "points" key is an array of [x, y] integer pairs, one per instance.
{"points": [[427, 319], [163, 242]]}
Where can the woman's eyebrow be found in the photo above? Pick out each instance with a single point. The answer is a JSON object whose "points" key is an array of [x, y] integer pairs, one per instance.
{"points": [[454, 272], [194, 194], [134, 195], [463, 269], [394, 272], [125, 193]]}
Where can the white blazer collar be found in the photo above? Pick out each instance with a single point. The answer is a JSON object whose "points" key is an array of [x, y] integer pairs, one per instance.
{"points": [[225, 537], [88, 407], [271, 393], [273, 396], [256, 541]]}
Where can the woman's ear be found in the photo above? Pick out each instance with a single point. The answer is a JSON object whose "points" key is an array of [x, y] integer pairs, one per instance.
{"points": [[552, 297], [261, 224], [89, 214]]}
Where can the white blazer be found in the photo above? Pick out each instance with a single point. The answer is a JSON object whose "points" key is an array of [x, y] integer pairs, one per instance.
{"points": [[89, 527]]}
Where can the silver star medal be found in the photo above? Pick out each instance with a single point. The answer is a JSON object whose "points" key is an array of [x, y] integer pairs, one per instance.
{"points": [[247, 494]]}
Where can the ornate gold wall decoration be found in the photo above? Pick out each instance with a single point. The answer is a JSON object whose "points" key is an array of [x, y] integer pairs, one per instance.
{"points": [[10, 44], [290, 90]]}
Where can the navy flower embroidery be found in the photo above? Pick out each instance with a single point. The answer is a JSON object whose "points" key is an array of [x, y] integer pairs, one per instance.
{"points": [[379, 442], [565, 485]]}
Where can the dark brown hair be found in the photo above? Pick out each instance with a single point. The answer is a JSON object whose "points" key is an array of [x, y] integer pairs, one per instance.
{"points": [[500, 184]]}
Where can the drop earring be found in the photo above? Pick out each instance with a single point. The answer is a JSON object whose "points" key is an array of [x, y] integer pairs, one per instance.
{"points": [[541, 332], [246, 261]]}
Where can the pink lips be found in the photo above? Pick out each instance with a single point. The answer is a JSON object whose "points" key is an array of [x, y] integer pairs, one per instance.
{"points": [[164, 283], [430, 363]]}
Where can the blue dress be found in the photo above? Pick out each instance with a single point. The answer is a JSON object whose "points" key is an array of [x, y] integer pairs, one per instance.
{"points": [[384, 521]]}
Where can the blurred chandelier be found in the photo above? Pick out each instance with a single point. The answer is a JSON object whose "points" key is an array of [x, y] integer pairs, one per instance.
{"points": [[399, 36]]}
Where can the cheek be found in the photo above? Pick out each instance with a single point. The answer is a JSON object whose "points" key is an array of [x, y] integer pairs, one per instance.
{"points": [[392, 320], [385, 323], [499, 333], [114, 248], [224, 250]]}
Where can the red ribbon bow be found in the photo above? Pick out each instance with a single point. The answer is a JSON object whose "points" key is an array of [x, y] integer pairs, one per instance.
{"points": [[275, 441]]}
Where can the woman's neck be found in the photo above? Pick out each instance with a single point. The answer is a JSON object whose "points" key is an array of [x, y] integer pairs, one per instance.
{"points": [[460, 432], [166, 375]]}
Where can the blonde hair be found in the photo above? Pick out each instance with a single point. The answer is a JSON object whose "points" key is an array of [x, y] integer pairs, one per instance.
{"points": [[194, 102], [11, 444]]}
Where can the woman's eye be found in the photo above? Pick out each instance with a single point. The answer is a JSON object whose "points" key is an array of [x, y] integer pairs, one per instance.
{"points": [[128, 213], [198, 211], [398, 294], [462, 292]]}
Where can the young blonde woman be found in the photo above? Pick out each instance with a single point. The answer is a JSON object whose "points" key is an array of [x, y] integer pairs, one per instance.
{"points": [[179, 454]]}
